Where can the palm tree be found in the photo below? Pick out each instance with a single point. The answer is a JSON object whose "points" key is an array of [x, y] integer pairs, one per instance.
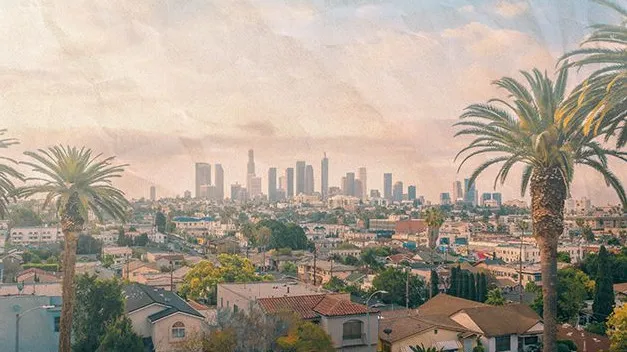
{"points": [[527, 129], [604, 90], [77, 183], [434, 217], [7, 173], [422, 348]]}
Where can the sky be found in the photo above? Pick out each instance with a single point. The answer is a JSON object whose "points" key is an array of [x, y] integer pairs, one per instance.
{"points": [[162, 84]]}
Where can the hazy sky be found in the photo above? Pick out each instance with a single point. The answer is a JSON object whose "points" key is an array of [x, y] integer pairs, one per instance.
{"points": [[375, 83]]}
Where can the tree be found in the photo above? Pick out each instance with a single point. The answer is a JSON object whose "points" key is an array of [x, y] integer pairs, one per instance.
{"points": [[280, 235], [289, 268], [160, 222], [335, 284], [617, 329], [588, 234], [454, 287], [602, 95], [495, 297], [7, 175], [532, 129], [482, 287], [573, 288], [435, 283], [24, 216], [422, 348], [120, 337], [141, 240], [77, 183], [98, 304], [563, 257], [463, 284], [434, 218], [472, 287], [88, 245], [604, 290], [305, 336], [394, 281]]}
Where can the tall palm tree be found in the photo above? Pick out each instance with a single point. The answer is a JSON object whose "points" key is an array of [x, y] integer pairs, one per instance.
{"points": [[527, 129], [434, 218], [605, 90], [77, 182], [7, 174]]}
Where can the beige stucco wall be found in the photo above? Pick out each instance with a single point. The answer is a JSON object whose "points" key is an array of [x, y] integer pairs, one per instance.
{"points": [[334, 327], [427, 338], [141, 325], [228, 298], [161, 331], [464, 320]]}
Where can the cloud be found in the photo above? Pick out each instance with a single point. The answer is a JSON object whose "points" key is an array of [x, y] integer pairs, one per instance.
{"points": [[466, 9], [509, 9]]}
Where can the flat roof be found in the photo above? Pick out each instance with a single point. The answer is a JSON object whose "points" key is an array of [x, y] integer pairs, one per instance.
{"points": [[252, 291]]}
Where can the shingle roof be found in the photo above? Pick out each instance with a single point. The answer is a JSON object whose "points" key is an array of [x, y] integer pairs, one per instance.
{"points": [[139, 296], [312, 306], [503, 320], [443, 304], [405, 326]]}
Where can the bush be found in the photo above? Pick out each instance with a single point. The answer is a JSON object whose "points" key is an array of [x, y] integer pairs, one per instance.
{"points": [[568, 343], [46, 267]]}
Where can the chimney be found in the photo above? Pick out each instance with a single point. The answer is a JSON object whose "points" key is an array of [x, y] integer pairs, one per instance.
{"points": [[288, 289]]}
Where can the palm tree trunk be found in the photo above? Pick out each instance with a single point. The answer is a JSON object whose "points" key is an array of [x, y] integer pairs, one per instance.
{"points": [[67, 310], [548, 193]]}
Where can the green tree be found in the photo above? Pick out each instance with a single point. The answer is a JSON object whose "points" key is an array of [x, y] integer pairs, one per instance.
{"points": [[88, 245], [422, 348], [305, 336], [563, 257], [463, 284], [98, 304], [24, 216], [77, 183], [604, 290], [495, 297], [435, 283], [289, 268], [141, 240], [120, 337], [280, 235], [7, 175], [394, 281], [454, 286], [160, 222], [617, 329], [482, 290], [573, 288], [533, 129], [335, 284], [434, 218], [588, 234], [473, 287]]}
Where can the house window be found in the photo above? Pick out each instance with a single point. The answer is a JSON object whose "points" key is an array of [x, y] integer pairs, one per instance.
{"points": [[502, 343], [352, 330], [526, 341], [178, 330], [57, 323]]}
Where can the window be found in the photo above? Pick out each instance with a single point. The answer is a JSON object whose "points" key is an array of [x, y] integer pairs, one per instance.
{"points": [[178, 330], [235, 308], [352, 330], [502, 343], [57, 323]]}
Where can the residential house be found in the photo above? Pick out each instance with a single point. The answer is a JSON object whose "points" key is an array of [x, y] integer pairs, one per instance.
{"points": [[35, 235], [323, 271], [132, 270], [39, 328], [242, 296], [162, 318], [120, 255], [585, 341], [38, 275]]}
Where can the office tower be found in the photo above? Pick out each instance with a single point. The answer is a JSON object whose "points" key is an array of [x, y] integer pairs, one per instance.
{"points": [[324, 177], [219, 182], [283, 183], [343, 186], [309, 180], [212, 193], [469, 192], [335, 191], [289, 174], [397, 192], [411, 192], [445, 198], [363, 177], [374, 193], [153, 193], [255, 187], [235, 191], [272, 184], [203, 178], [498, 198], [350, 184], [484, 197], [251, 162], [387, 186], [187, 194], [458, 192], [358, 189], [300, 177]]}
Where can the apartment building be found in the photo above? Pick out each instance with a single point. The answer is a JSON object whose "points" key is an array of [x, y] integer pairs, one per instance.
{"points": [[35, 235]]}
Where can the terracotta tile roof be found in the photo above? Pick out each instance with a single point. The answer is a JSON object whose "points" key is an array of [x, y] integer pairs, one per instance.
{"points": [[503, 320], [592, 342], [410, 226], [443, 304], [312, 306], [622, 288]]}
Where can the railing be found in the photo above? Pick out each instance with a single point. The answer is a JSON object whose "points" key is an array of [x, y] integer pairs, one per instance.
{"points": [[356, 341]]}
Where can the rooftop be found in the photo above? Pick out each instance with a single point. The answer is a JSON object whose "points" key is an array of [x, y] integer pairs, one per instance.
{"points": [[139, 296], [253, 291], [313, 306]]}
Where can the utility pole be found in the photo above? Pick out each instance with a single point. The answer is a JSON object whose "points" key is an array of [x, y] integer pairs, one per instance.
{"points": [[522, 226], [407, 291], [171, 276], [315, 257]]}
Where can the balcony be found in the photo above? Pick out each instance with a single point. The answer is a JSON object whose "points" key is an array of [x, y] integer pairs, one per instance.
{"points": [[354, 340]]}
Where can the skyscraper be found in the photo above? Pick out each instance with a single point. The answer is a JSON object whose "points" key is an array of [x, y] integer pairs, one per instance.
{"points": [[350, 184], [411, 192], [387, 186], [363, 179], [272, 184], [309, 179], [255, 187], [289, 174], [498, 198], [324, 177], [470, 193], [358, 189], [203, 178], [458, 192], [484, 197], [219, 182], [300, 177], [251, 162], [235, 191], [445, 198], [153, 193], [397, 192]]}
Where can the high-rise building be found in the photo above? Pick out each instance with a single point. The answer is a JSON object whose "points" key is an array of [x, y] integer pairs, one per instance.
{"points": [[309, 179], [358, 190], [498, 198], [289, 175], [445, 198], [324, 177], [470, 193], [411, 192], [350, 184], [255, 187], [219, 182], [251, 162], [283, 183], [272, 184], [484, 197], [397, 192], [300, 177], [235, 191], [363, 179], [387, 186], [374, 193], [458, 192], [203, 178], [153, 193]]}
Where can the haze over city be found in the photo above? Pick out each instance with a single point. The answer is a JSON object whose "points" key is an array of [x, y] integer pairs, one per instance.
{"points": [[163, 85]]}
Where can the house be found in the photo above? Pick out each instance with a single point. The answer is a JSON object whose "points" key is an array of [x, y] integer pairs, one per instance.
{"points": [[132, 270], [351, 327], [38, 328], [323, 271], [164, 258], [585, 341], [35, 235], [223, 245], [162, 318], [620, 290], [119, 254], [38, 275], [242, 296]]}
